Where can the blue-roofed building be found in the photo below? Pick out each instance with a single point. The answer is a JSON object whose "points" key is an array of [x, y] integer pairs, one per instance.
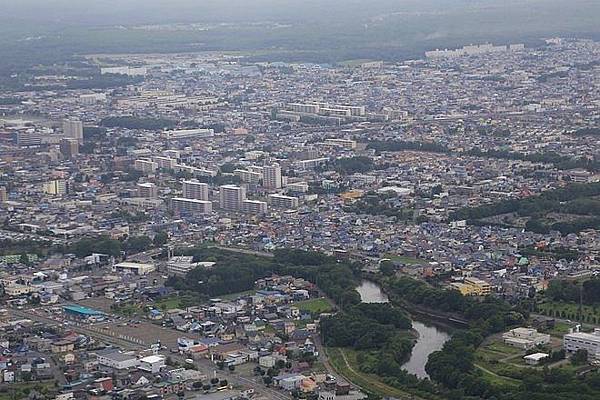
{"points": [[81, 312]]}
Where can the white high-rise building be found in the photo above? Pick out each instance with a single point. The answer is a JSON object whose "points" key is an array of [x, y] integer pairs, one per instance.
{"points": [[272, 177], [57, 187], [231, 197], [191, 206], [73, 129], [195, 190], [146, 166], [281, 201], [254, 206], [248, 176]]}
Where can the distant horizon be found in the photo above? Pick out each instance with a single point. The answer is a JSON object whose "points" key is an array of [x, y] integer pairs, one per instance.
{"points": [[46, 32]]}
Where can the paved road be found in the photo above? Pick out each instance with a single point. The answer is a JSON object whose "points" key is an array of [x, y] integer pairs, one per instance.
{"points": [[209, 369], [566, 321]]}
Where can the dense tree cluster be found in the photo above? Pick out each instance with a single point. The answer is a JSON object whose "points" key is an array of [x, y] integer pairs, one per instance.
{"points": [[112, 247], [559, 161], [379, 204], [102, 245], [577, 199], [591, 131], [400, 145], [365, 327], [378, 331], [454, 366], [235, 272], [354, 165], [9, 101], [558, 253], [10, 246], [131, 122], [572, 291]]}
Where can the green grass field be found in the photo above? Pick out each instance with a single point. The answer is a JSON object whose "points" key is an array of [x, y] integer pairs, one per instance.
{"points": [[234, 296], [560, 329], [493, 361], [129, 310], [405, 259], [344, 362], [315, 306], [168, 303]]}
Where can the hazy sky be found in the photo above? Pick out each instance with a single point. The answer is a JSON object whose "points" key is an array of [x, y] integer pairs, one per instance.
{"points": [[96, 25], [139, 11]]}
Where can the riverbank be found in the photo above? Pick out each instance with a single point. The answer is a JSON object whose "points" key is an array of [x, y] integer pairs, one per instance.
{"points": [[344, 362], [429, 336], [444, 319]]}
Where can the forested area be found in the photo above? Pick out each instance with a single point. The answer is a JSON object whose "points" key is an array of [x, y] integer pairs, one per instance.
{"points": [[378, 331], [131, 122], [591, 131], [379, 204], [576, 199], [354, 165], [559, 161], [235, 272], [454, 366], [400, 145], [573, 291], [112, 247]]}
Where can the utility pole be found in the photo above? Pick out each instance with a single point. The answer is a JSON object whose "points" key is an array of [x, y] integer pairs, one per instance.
{"points": [[581, 302]]}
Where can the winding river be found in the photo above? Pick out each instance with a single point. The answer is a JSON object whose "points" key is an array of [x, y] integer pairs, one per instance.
{"points": [[431, 338]]}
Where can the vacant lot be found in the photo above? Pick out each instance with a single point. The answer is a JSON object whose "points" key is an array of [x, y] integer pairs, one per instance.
{"points": [[315, 306]]}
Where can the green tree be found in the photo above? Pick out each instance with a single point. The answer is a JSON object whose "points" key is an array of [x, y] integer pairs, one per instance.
{"points": [[160, 239], [579, 357]]}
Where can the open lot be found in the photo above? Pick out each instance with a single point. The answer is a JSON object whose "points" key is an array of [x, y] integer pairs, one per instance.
{"points": [[145, 332], [315, 306], [405, 260]]}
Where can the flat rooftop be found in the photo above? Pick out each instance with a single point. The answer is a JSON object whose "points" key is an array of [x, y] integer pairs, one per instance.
{"points": [[82, 310]]}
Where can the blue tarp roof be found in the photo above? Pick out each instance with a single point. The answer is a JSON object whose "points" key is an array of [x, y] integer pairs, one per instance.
{"points": [[82, 310]]}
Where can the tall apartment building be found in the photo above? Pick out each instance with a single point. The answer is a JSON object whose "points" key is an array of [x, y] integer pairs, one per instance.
{"points": [[147, 190], [73, 129], [190, 206], [248, 176], [231, 197], [195, 190], [310, 164], [165, 162], [272, 176], [57, 187], [3, 195], [281, 201], [69, 147], [145, 166], [254, 207], [343, 143], [28, 138], [297, 187], [174, 154]]}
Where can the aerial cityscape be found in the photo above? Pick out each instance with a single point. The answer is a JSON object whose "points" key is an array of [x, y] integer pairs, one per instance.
{"points": [[304, 218]]}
